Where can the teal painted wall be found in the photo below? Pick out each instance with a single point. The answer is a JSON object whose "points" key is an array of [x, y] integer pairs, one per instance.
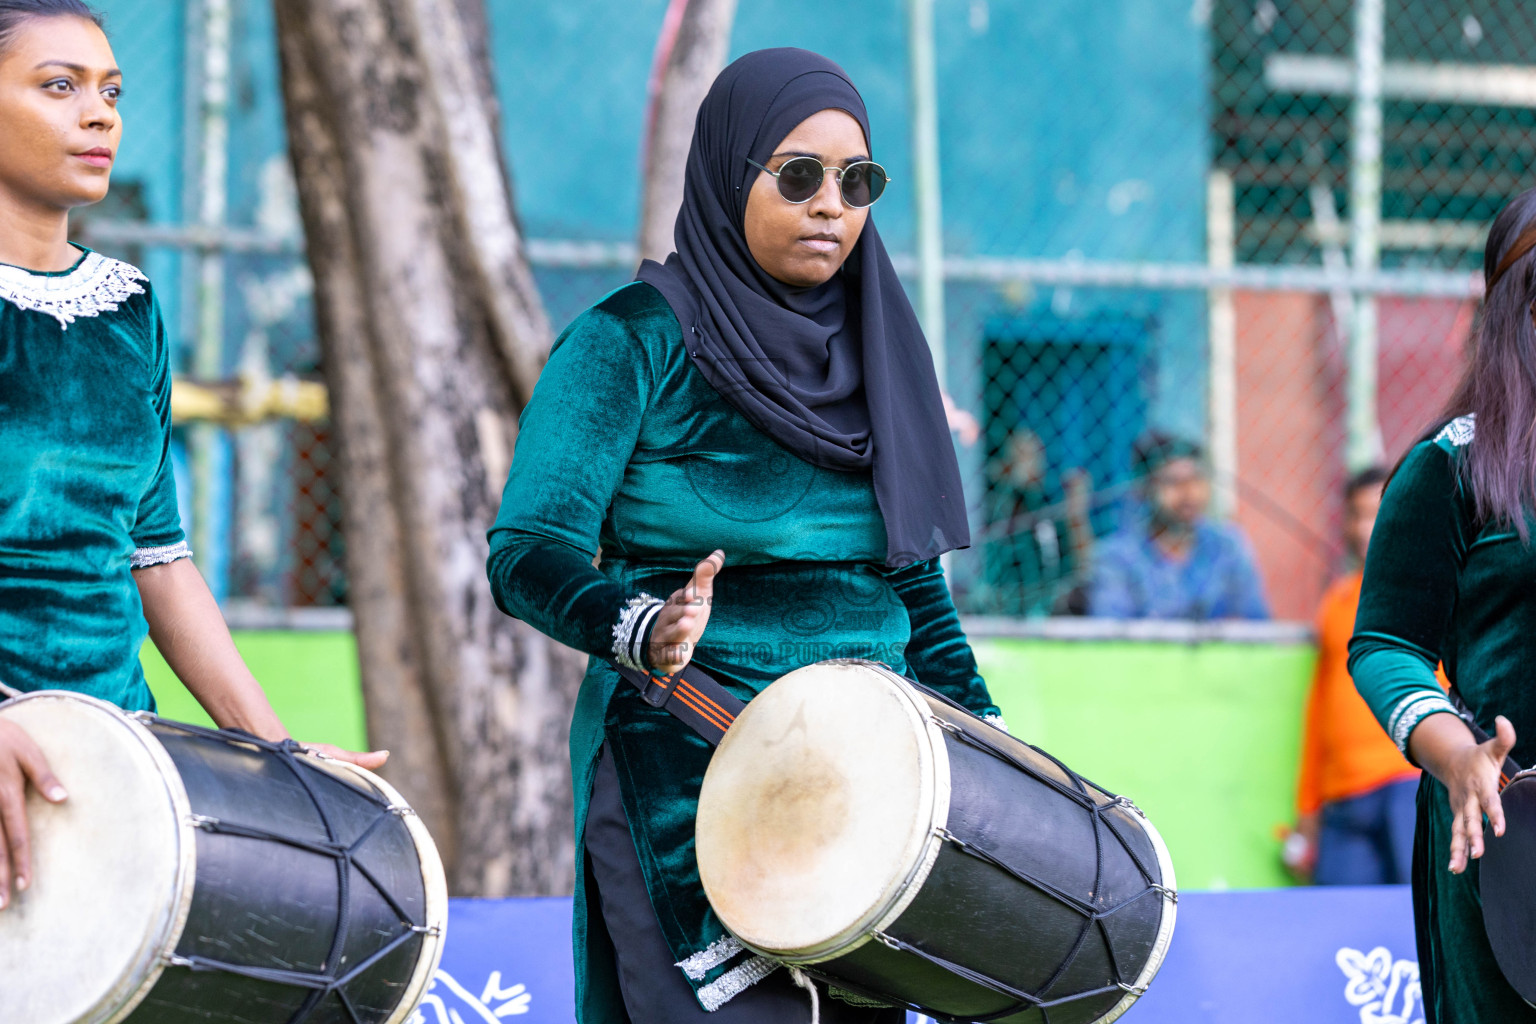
{"points": [[1035, 106], [148, 39]]}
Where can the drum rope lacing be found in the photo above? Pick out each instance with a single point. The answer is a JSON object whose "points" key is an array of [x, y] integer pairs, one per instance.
{"points": [[291, 754], [1094, 916]]}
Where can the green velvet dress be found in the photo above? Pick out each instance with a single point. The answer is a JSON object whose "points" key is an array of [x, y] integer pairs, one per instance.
{"points": [[86, 492], [1442, 587], [625, 449]]}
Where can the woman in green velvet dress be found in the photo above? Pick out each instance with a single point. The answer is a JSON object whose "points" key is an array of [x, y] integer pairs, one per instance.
{"points": [[1451, 577], [754, 429], [92, 554]]}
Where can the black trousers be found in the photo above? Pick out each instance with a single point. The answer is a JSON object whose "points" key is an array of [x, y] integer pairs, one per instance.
{"points": [[655, 991]]}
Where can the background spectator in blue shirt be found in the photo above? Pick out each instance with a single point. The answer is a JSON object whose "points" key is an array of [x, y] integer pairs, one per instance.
{"points": [[1173, 562]]}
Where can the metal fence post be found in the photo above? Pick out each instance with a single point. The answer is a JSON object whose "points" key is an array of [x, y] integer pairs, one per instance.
{"points": [[212, 208], [925, 180], [1221, 248], [1364, 431]]}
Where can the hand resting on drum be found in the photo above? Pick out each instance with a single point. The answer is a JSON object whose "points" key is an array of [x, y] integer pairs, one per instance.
{"points": [[681, 622], [1470, 772], [372, 760], [20, 762]]}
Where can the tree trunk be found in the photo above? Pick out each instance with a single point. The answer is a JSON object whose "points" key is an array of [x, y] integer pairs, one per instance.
{"points": [[689, 54], [433, 334]]}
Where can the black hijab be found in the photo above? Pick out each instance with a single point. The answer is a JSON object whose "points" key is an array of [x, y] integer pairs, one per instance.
{"points": [[839, 374]]}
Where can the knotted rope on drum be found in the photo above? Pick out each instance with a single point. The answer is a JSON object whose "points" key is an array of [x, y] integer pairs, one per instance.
{"points": [[802, 979], [327, 982], [1094, 916]]}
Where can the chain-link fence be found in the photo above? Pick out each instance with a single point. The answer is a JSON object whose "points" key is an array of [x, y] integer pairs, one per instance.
{"points": [[1356, 152], [1252, 224]]}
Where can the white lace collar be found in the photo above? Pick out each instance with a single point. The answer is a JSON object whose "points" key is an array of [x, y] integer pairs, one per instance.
{"points": [[96, 284]]}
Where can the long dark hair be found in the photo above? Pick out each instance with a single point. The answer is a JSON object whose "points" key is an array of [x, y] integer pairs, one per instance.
{"points": [[14, 12], [1498, 383]]}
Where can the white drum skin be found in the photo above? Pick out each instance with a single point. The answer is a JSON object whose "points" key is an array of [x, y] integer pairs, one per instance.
{"points": [[791, 860]]}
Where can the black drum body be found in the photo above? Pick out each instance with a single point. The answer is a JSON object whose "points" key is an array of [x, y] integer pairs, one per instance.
{"points": [[248, 882], [303, 878], [1507, 880], [1021, 892]]}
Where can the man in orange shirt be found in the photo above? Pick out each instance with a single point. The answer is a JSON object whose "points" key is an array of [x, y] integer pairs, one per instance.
{"points": [[1355, 797]]}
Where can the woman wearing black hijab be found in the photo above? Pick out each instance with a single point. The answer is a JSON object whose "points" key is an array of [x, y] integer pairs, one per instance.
{"points": [[765, 396]]}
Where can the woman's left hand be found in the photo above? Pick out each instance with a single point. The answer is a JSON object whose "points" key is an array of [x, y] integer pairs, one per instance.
{"points": [[680, 624], [372, 760], [1446, 748]]}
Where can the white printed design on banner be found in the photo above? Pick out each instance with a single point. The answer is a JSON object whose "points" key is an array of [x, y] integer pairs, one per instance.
{"points": [[446, 998], [1385, 989]]}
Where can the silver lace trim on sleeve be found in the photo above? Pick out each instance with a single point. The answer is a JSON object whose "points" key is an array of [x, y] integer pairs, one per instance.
{"points": [[629, 631], [734, 982], [996, 721], [1412, 710], [143, 558], [707, 959]]}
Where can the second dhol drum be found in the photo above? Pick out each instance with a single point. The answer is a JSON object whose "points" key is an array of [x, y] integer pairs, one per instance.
{"points": [[203, 877], [873, 835]]}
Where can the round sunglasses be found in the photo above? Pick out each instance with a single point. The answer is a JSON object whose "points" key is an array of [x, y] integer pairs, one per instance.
{"points": [[800, 179]]}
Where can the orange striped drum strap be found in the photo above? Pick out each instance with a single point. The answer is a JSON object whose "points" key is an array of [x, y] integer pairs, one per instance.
{"points": [[692, 696]]}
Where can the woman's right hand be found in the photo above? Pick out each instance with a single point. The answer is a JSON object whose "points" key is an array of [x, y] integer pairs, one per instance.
{"points": [[1470, 771], [681, 622], [20, 761]]}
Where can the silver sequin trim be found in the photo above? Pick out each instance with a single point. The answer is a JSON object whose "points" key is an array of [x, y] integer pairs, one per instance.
{"points": [[1459, 431], [97, 285], [144, 557], [630, 630], [734, 982], [710, 957], [1412, 710]]}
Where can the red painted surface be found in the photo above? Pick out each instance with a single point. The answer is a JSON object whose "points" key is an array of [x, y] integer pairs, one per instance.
{"points": [[1291, 423]]}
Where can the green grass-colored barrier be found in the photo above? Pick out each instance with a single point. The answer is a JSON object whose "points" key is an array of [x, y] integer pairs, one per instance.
{"points": [[1204, 737], [311, 678]]}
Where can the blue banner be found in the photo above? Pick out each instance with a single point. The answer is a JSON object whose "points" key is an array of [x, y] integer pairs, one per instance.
{"points": [[1325, 956]]}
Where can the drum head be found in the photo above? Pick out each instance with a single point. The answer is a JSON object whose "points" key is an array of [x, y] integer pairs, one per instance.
{"points": [[817, 812], [1507, 880], [112, 867]]}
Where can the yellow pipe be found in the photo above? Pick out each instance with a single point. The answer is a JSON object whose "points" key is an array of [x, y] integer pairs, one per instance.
{"points": [[244, 401]]}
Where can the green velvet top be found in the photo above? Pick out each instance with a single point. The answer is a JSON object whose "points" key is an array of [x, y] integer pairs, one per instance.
{"points": [[1441, 586], [86, 493], [626, 450]]}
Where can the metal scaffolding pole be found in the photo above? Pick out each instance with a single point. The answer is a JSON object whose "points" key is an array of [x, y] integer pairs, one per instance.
{"points": [[1221, 253], [212, 211], [1364, 431], [925, 185]]}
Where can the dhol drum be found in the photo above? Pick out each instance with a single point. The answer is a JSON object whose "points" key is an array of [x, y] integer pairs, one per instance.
{"points": [[209, 877], [1507, 883], [897, 847]]}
